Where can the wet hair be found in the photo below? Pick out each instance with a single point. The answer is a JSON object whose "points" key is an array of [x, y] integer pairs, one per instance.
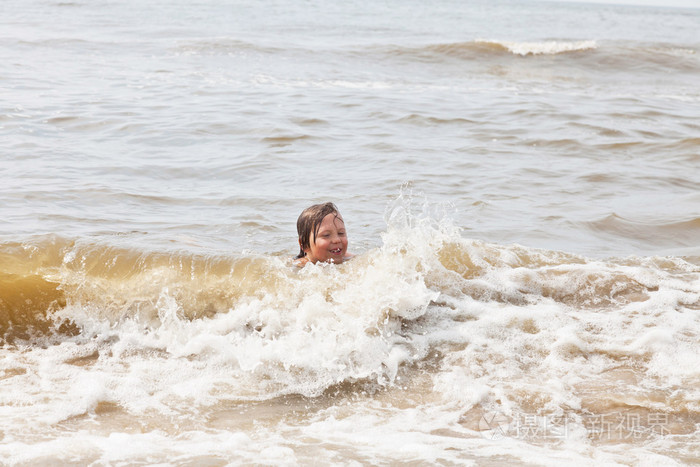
{"points": [[310, 219]]}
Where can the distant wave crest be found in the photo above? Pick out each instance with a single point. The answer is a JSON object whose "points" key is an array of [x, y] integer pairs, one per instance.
{"points": [[589, 53], [540, 48], [492, 47]]}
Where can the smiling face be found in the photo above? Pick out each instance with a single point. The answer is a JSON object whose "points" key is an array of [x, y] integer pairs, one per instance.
{"points": [[330, 243]]}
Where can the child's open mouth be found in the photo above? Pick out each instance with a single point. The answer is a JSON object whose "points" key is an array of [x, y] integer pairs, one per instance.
{"points": [[336, 251]]}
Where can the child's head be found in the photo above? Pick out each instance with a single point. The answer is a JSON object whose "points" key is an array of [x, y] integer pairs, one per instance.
{"points": [[322, 235]]}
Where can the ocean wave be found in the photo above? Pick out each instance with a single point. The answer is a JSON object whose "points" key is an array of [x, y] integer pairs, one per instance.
{"points": [[538, 48], [224, 46], [49, 273], [676, 233], [491, 48], [608, 54], [167, 334], [42, 277], [285, 330], [588, 54]]}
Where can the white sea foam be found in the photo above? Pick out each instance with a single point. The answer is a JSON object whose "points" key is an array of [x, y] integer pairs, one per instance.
{"points": [[439, 329]]}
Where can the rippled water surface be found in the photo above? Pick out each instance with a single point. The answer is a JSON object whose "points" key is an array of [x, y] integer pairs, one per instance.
{"points": [[520, 185]]}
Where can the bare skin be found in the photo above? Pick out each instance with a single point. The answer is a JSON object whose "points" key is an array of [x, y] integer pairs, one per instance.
{"points": [[331, 243]]}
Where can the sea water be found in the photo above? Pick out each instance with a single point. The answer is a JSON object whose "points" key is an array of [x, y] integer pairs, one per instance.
{"points": [[519, 181]]}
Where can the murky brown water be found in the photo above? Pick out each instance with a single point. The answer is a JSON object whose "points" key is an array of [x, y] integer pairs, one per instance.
{"points": [[520, 185]]}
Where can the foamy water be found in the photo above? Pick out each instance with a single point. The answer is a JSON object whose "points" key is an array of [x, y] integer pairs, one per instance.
{"points": [[519, 184]]}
